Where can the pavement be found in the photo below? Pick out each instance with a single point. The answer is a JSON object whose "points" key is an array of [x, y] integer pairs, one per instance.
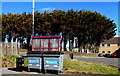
{"points": [[7, 72]]}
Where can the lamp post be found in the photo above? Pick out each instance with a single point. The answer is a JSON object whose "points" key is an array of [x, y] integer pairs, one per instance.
{"points": [[33, 18]]}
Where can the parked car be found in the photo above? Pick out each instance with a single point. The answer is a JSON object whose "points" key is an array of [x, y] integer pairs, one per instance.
{"points": [[107, 55], [103, 55], [100, 54], [116, 54]]}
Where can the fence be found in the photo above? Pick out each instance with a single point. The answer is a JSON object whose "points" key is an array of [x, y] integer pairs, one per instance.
{"points": [[9, 48]]}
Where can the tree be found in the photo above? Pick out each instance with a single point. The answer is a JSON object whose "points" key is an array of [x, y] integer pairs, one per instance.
{"points": [[91, 28]]}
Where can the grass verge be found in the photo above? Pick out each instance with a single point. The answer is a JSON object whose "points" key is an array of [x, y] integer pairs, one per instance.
{"points": [[9, 60], [75, 66]]}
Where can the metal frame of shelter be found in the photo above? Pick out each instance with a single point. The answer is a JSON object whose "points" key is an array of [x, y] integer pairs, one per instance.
{"points": [[46, 43]]}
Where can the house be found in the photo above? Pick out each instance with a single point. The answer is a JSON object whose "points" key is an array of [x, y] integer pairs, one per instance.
{"points": [[110, 46]]}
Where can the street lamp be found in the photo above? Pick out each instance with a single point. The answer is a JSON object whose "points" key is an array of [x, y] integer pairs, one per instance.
{"points": [[33, 17]]}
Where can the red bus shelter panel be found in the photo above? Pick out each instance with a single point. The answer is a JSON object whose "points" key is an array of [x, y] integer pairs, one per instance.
{"points": [[46, 43]]}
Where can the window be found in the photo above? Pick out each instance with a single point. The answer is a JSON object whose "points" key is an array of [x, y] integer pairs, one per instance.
{"points": [[103, 51], [108, 45], [103, 44], [108, 51]]}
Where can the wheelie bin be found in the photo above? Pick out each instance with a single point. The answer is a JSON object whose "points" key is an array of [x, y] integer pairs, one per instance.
{"points": [[20, 63], [34, 60], [53, 60]]}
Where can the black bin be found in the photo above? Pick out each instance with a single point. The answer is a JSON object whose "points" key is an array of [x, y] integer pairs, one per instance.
{"points": [[20, 63]]}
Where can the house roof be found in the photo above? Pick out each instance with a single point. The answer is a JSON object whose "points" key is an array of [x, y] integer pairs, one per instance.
{"points": [[114, 40]]}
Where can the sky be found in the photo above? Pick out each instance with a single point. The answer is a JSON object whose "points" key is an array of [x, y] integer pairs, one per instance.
{"points": [[108, 9], [60, 0]]}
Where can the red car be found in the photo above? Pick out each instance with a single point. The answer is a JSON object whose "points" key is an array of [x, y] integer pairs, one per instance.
{"points": [[116, 54]]}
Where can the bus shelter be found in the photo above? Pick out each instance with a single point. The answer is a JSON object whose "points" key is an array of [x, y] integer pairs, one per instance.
{"points": [[46, 43]]}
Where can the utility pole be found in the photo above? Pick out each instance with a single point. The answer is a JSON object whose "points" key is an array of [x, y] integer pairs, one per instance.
{"points": [[33, 18]]}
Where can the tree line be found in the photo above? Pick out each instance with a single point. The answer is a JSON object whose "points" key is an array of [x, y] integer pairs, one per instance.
{"points": [[90, 28]]}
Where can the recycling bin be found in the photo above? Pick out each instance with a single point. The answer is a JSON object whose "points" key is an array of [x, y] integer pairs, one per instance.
{"points": [[53, 60], [20, 63], [34, 60]]}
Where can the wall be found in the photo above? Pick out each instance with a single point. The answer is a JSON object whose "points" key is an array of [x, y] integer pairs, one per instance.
{"points": [[112, 48]]}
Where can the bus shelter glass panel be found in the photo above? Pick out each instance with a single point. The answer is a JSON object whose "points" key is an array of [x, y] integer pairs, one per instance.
{"points": [[36, 43], [54, 44], [44, 43]]}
